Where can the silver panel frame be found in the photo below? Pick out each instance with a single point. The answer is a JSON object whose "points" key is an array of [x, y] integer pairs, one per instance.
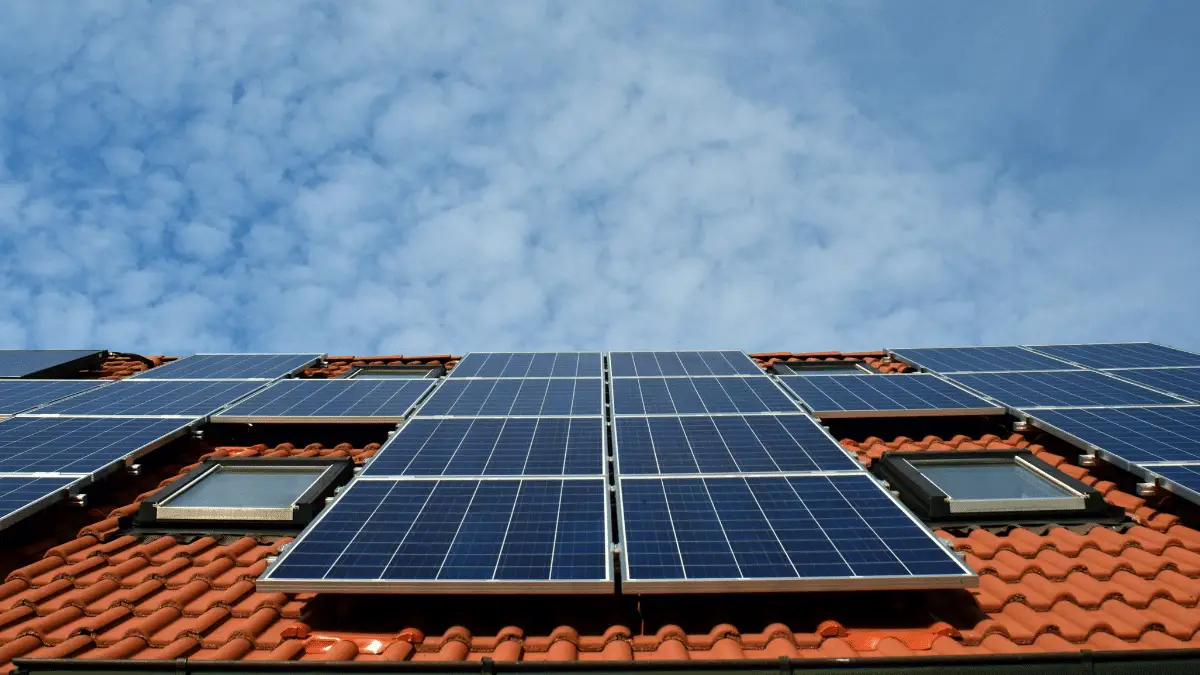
{"points": [[998, 409], [267, 583], [319, 356], [221, 418], [46, 501]]}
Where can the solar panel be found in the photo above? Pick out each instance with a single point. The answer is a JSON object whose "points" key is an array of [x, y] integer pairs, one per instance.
{"points": [[885, 396], [494, 447], [20, 395], [698, 395], [1133, 435], [513, 398], [469, 536], [31, 362], [775, 533], [1179, 381], [330, 401], [152, 398], [729, 444], [979, 359], [1064, 389], [1121, 355], [78, 445], [1181, 479], [529, 364], [21, 496], [670, 364], [230, 367]]}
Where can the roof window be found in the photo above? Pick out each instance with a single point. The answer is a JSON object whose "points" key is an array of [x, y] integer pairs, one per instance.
{"points": [[390, 372], [821, 368], [257, 492], [990, 486]]}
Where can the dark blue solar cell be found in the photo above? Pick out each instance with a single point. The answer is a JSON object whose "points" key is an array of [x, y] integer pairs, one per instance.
{"points": [[190, 398], [508, 398], [26, 362], [19, 495], [667, 364], [75, 444], [20, 395], [861, 395], [698, 395], [1066, 389], [230, 367], [338, 399], [1136, 435], [493, 447], [1180, 381], [979, 359], [797, 528], [733, 444], [1121, 355], [529, 364], [412, 533]]}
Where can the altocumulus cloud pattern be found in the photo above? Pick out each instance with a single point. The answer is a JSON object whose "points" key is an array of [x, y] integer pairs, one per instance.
{"points": [[427, 176]]}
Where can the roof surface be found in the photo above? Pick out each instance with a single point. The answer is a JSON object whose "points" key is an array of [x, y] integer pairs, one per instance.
{"points": [[103, 592]]}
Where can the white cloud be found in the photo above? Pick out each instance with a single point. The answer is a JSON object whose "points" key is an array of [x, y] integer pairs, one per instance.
{"points": [[430, 177]]}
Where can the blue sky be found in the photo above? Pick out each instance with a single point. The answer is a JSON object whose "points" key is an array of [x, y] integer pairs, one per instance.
{"points": [[381, 177]]}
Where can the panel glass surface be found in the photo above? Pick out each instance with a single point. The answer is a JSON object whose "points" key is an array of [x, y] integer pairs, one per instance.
{"points": [[529, 364], [356, 398], [1137, 435], [74, 444], [230, 367], [726, 444], [1121, 355], [1065, 389], [972, 479], [153, 398], [493, 447], [1180, 381], [882, 393], [979, 359], [669, 364], [247, 487], [443, 535], [23, 362], [21, 395], [1185, 476], [780, 532], [698, 395], [20, 492], [516, 398]]}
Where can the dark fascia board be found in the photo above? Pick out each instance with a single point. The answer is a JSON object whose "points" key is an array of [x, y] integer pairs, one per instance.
{"points": [[1083, 662], [339, 472], [930, 503]]}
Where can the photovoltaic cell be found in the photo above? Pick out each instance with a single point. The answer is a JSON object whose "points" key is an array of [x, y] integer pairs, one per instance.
{"points": [[493, 447], [333, 400], [979, 359], [698, 395], [20, 494], [77, 445], [20, 395], [1121, 355], [26, 362], [230, 367], [869, 395], [153, 398], [529, 364], [1136, 435], [515, 398], [1179, 381], [417, 536], [1064, 389], [730, 444], [775, 533], [668, 364]]}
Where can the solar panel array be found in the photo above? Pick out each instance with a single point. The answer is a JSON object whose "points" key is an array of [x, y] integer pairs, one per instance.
{"points": [[21, 495], [1182, 479], [17, 396], [1120, 355], [1062, 389], [1132, 435], [887, 395], [230, 367], [946, 360], [177, 398], [79, 445], [28, 362], [342, 401]]}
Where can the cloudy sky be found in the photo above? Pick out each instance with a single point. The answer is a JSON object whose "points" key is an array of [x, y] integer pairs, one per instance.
{"points": [[411, 177]]}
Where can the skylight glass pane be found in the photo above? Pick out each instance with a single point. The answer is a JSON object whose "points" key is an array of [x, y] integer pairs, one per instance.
{"points": [[977, 480], [246, 487]]}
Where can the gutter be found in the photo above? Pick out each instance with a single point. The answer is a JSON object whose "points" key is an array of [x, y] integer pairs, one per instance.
{"points": [[1083, 662]]}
